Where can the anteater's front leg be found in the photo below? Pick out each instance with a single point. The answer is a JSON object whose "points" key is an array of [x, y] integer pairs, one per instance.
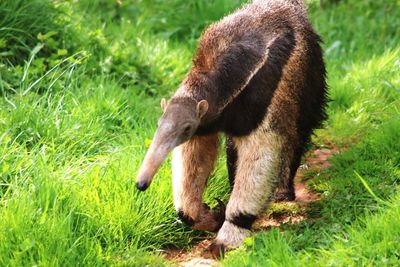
{"points": [[257, 175], [192, 164]]}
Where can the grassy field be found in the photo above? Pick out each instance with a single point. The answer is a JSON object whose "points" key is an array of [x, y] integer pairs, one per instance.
{"points": [[80, 83]]}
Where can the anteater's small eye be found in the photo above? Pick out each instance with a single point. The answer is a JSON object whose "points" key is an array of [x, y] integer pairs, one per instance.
{"points": [[186, 130]]}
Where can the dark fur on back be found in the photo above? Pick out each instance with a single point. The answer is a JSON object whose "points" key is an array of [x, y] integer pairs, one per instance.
{"points": [[227, 54], [248, 109]]}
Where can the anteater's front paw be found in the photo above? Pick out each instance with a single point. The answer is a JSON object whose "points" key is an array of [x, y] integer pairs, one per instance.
{"points": [[207, 219], [211, 220]]}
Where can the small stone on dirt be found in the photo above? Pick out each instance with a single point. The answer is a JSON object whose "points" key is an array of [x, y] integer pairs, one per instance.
{"points": [[199, 262]]}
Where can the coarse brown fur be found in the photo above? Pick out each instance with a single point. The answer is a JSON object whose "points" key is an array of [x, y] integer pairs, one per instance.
{"points": [[258, 77]]}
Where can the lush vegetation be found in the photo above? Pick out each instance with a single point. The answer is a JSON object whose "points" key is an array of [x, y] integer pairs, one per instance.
{"points": [[80, 83]]}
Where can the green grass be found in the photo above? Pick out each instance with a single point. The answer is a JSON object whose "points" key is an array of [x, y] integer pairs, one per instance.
{"points": [[79, 94]]}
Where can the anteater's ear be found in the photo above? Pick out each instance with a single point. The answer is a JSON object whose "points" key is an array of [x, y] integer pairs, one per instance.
{"points": [[202, 108], [163, 104]]}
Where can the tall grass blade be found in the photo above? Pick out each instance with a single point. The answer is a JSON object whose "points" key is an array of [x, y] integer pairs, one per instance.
{"points": [[366, 185]]}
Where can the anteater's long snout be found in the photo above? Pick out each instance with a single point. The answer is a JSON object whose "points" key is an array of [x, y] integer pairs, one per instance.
{"points": [[157, 153]]}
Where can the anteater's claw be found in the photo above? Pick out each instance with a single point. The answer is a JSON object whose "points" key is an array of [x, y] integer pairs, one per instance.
{"points": [[219, 215], [217, 250], [221, 206]]}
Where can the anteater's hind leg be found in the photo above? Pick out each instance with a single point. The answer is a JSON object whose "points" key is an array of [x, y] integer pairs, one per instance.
{"points": [[192, 164], [231, 160], [291, 158], [258, 167]]}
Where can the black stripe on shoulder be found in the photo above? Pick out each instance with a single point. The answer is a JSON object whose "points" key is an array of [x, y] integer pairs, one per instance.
{"points": [[243, 220]]}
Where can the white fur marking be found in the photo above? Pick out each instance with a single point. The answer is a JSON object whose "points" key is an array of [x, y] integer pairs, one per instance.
{"points": [[231, 235], [177, 176]]}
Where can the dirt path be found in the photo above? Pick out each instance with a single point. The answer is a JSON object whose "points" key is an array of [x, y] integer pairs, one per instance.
{"points": [[279, 213]]}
